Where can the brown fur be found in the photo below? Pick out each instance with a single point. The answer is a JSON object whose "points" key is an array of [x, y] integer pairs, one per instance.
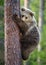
{"points": [[29, 30]]}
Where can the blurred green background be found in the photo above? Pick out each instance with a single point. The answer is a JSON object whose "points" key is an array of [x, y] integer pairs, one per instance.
{"points": [[34, 6]]}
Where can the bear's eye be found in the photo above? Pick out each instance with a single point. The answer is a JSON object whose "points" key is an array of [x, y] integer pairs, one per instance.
{"points": [[23, 9], [22, 15], [26, 17]]}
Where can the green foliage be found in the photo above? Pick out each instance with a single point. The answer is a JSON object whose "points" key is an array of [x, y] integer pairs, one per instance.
{"points": [[1, 13], [45, 11], [1, 52], [1, 2], [35, 7], [22, 2]]}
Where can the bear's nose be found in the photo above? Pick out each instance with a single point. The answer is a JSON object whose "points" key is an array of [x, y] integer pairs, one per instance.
{"points": [[26, 17]]}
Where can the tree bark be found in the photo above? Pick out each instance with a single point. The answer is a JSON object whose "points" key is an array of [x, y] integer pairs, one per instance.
{"points": [[12, 38], [40, 24], [41, 11], [27, 3]]}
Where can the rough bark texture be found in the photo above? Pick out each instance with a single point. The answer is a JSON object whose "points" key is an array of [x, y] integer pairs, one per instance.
{"points": [[12, 43]]}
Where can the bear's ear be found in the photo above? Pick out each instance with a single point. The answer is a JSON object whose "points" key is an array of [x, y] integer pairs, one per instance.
{"points": [[31, 13], [22, 9]]}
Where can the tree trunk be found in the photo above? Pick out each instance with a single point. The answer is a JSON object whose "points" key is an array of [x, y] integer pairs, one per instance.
{"points": [[12, 43], [27, 3], [41, 9]]}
